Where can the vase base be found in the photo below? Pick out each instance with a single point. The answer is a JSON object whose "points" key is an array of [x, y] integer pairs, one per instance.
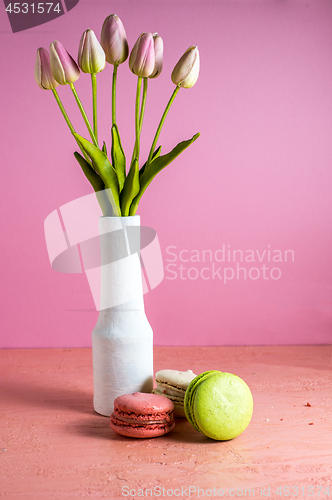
{"points": [[101, 413]]}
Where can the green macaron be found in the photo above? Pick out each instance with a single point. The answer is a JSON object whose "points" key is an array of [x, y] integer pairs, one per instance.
{"points": [[218, 404]]}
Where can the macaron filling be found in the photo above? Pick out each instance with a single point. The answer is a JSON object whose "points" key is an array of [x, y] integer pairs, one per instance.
{"points": [[170, 390], [133, 418], [173, 385]]}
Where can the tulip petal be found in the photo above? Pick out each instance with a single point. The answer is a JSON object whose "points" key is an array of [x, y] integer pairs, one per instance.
{"points": [[91, 56], [63, 66], [186, 71], [158, 53], [113, 40], [142, 57], [133, 52], [43, 73]]}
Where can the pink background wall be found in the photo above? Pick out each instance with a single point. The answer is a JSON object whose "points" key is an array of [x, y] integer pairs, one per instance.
{"points": [[259, 175]]}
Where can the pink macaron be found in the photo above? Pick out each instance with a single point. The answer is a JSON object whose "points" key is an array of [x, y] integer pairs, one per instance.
{"points": [[141, 415]]}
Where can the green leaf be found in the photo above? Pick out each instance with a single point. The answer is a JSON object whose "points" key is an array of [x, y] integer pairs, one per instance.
{"points": [[104, 148], [156, 166], [118, 156], [92, 176], [97, 184], [154, 156], [105, 171], [131, 188]]}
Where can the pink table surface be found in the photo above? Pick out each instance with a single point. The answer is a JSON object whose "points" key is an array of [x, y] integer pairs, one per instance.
{"points": [[54, 446]]}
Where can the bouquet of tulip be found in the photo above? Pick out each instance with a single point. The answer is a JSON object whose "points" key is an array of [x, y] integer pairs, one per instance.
{"points": [[118, 192]]}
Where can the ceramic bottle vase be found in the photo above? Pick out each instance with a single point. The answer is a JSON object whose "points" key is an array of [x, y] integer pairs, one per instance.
{"points": [[122, 340]]}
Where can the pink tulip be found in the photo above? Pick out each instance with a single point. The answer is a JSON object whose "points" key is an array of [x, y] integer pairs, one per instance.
{"points": [[91, 57], [142, 57], [186, 71], [113, 40], [43, 72], [63, 66], [158, 54]]}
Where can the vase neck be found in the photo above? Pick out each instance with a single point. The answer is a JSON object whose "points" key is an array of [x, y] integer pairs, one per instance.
{"points": [[121, 274]]}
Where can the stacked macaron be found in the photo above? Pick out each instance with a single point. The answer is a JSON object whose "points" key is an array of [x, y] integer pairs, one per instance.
{"points": [[142, 415], [173, 384]]}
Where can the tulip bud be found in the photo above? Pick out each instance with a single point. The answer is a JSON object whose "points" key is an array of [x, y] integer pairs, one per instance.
{"points": [[63, 66], [142, 58], [43, 73], [158, 54], [91, 57], [113, 40], [185, 72]]}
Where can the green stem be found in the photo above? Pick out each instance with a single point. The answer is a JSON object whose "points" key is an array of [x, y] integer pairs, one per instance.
{"points": [[137, 119], [141, 114], [115, 72], [85, 118], [160, 126], [66, 117], [94, 104], [145, 91], [63, 111]]}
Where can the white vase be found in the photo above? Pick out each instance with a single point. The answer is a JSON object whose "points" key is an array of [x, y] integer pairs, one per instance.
{"points": [[122, 340]]}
